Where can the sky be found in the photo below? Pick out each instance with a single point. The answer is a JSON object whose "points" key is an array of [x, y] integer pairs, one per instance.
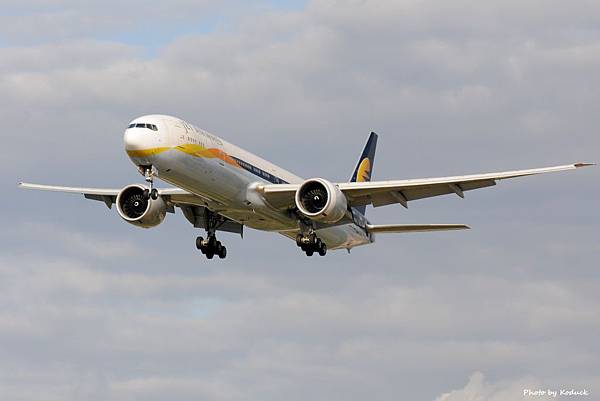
{"points": [[93, 308]]}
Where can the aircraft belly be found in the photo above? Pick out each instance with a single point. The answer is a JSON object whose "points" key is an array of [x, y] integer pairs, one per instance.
{"points": [[223, 184], [345, 236]]}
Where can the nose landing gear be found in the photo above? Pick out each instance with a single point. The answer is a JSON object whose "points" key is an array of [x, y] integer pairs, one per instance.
{"points": [[149, 175], [310, 243]]}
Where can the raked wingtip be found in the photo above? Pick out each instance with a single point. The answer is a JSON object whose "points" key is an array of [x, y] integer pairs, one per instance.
{"points": [[578, 165]]}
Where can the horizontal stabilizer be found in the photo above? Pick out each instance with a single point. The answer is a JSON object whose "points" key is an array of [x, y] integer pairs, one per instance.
{"points": [[413, 228]]}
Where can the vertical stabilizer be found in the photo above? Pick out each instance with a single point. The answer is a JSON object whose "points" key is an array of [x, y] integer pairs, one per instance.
{"points": [[364, 167]]}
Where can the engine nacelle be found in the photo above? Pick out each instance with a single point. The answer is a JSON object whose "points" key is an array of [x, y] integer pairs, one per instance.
{"points": [[320, 200], [134, 208]]}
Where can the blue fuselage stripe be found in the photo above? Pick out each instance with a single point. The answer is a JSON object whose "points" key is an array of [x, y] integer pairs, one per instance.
{"points": [[259, 172]]}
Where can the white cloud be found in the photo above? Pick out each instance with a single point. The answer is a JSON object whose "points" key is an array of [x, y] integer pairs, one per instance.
{"points": [[83, 244], [478, 389]]}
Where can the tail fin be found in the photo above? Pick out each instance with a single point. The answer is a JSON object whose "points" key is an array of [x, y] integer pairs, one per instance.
{"points": [[364, 168]]}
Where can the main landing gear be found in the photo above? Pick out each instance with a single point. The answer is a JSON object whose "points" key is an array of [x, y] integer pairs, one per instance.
{"points": [[310, 244], [149, 175], [211, 246]]}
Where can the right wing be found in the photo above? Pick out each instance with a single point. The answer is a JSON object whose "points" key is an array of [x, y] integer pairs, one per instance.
{"points": [[192, 205], [109, 195]]}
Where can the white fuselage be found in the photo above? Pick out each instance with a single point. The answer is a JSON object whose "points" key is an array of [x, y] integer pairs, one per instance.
{"points": [[223, 175]]}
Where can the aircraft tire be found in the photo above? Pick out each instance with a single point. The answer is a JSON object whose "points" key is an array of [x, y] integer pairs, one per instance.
{"points": [[323, 249], [154, 194], [199, 243], [212, 242], [223, 252]]}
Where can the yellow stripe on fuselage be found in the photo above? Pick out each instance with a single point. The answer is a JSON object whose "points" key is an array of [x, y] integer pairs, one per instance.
{"points": [[146, 152], [190, 149]]}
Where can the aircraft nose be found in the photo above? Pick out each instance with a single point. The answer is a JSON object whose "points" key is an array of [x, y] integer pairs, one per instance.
{"points": [[134, 139]]}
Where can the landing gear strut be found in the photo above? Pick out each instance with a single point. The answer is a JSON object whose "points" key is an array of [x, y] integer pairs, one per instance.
{"points": [[310, 244], [149, 175], [211, 246]]}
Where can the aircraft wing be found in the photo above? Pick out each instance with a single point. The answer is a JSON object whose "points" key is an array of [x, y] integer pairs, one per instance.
{"points": [[380, 193], [192, 205], [109, 195]]}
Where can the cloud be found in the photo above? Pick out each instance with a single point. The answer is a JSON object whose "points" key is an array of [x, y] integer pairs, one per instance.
{"points": [[47, 21], [478, 389], [83, 244]]}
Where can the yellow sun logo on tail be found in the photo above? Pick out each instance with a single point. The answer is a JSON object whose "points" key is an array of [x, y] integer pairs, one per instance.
{"points": [[364, 171]]}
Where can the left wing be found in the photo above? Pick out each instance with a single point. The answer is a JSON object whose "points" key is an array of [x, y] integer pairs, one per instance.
{"points": [[380, 193]]}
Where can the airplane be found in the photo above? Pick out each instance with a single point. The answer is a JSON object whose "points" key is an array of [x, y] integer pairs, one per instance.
{"points": [[221, 187]]}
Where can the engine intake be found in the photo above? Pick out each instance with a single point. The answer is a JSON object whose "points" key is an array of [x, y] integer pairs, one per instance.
{"points": [[320, 200], [134, 208]]}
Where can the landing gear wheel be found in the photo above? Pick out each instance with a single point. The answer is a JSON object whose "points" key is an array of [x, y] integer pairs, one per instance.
{"points": [[323, 249], [299, 239], [154, 194], [212, 241], [311, 244], [146, 194], [210, 246]]}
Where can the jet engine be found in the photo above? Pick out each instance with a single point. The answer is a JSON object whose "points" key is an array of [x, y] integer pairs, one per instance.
{"points": [[136, 209], [320, 200]]}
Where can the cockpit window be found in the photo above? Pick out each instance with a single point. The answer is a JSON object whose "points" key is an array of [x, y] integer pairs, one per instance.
{"points": [[143, 125]]}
